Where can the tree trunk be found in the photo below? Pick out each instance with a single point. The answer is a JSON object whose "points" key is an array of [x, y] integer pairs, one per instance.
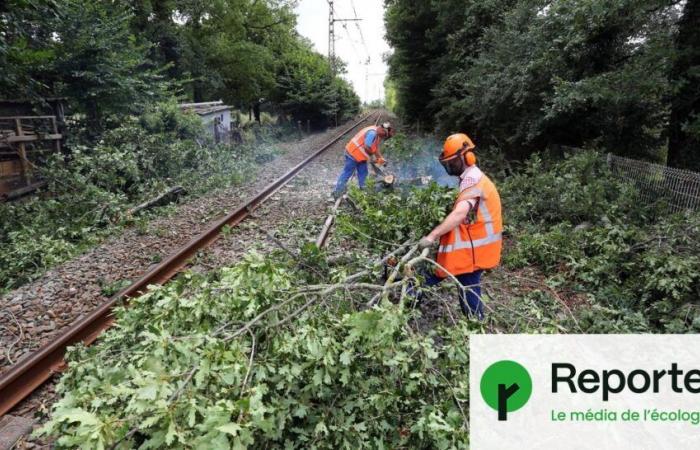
{"points": [[685, 75], [197, 92], [168, 196], [93, 119], [256, 111]]}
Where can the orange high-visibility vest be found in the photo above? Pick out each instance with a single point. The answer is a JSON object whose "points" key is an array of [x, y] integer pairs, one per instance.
{"points": [[476, 245], [356, 149]]}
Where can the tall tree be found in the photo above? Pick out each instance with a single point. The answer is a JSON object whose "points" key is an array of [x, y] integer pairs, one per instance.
{"points": [[411, 28], [468, 22], [526, 74], [153, 23], [99, 64], [81, 49], [25, 47], [111, 58], [307, 89], [684, 126]]}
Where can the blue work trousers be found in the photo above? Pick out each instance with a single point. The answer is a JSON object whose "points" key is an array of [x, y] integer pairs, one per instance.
{"points": [[350, 166], [470, 296]]}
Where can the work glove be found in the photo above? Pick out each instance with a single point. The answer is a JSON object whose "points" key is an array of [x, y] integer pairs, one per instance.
{"points": [[380, 162], [425, 243]]}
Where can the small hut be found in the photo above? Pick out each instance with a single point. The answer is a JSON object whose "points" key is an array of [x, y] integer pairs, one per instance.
{"points": [[28, 134], [215, 116]]}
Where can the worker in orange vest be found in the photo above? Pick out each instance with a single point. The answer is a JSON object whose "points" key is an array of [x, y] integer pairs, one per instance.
{"points": [[361, 148], [470, 236]]}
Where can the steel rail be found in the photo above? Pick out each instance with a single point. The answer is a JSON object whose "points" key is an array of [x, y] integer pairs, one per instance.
{"points": [[31, 372]]}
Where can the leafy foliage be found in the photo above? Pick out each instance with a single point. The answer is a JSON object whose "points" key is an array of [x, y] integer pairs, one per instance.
{"points": [[21, 51], [82, 50], [92, 190], [389, 219], [577, 189], [684, 123], [630, 265], [524, 74], [114, 58], [592, 234], [182, 374], [99, 65], [257, 356], [121, 67], [307, 89]]}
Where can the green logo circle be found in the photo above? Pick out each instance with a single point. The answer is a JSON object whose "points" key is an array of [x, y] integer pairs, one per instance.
{"points": [[506, 386]]}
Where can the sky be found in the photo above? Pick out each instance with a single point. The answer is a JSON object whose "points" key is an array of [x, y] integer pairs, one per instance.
{"points": [[312, 22]]}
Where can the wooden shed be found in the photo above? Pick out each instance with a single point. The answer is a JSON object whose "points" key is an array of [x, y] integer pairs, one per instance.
{"points": [[26, 139], [215, 116]]}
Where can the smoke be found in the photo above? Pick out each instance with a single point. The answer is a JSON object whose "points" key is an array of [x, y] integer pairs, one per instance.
{"points": [[422, 161]]}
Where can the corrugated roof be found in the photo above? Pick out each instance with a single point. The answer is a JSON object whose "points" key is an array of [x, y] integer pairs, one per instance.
{"points": [[205, 108]]}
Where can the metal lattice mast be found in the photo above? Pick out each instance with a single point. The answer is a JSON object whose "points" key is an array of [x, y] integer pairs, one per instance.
{"points": [[331, 33]]}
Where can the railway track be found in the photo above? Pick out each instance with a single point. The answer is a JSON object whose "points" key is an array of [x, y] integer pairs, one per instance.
{"points": [[30, 373]]}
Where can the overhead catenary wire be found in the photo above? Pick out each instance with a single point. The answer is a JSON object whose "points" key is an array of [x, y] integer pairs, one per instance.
{"points": [[352, 43], [359, 30], [331, 32]]}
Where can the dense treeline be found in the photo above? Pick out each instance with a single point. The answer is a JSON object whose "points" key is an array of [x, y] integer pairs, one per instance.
{"points": [[526, 74], [122, 66], [111, 58]]}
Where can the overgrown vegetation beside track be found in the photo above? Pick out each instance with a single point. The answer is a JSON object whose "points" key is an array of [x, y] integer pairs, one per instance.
{"points": [[593, 234], [271, 352], [90, 193], [119, 68]]}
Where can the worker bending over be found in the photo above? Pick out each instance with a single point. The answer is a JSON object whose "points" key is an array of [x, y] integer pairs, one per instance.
{"points": [[470, 236], [363, 146]]}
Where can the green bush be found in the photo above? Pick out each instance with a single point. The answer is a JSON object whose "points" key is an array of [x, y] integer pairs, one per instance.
{"points": [[575, 189], [179, 371], [590, 232], [90, 191], [388, 218]]}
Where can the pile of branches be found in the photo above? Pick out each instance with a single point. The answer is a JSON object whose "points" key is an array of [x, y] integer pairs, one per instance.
{"points": [[250, 356], [310, 350]]}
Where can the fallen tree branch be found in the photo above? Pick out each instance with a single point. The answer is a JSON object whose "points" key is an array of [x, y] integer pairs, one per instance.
{"points": [[404, 258], [168, 196], [295, 256], [330, 220], [19, 339]]}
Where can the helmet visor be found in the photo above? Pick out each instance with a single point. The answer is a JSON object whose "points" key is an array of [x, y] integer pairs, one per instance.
{"points": [[454, 165]]}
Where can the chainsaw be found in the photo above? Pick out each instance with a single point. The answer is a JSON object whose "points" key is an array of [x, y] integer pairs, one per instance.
{"points": [[388, 178]]}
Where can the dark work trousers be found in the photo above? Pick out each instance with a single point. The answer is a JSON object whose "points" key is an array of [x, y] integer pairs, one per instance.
{"points": [[470, 296], [351, 166]]}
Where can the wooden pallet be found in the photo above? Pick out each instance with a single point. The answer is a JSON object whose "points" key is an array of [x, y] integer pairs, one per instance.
{"points": [[20, 138]]}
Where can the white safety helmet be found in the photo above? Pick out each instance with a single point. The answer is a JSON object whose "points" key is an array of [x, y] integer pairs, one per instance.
{"points": [[387, 126]]}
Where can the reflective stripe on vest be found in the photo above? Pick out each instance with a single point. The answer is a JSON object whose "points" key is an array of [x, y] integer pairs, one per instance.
{"points": [[361, 145], [355, 147], [469, 247], [490, 238], [462, 245], [484, 211]]}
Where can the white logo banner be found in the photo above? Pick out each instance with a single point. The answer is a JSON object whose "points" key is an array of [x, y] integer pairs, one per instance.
{"points": [[584, 392]]}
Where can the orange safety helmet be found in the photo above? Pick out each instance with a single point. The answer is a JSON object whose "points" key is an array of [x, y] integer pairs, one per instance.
{"points": [[457, 149]]}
